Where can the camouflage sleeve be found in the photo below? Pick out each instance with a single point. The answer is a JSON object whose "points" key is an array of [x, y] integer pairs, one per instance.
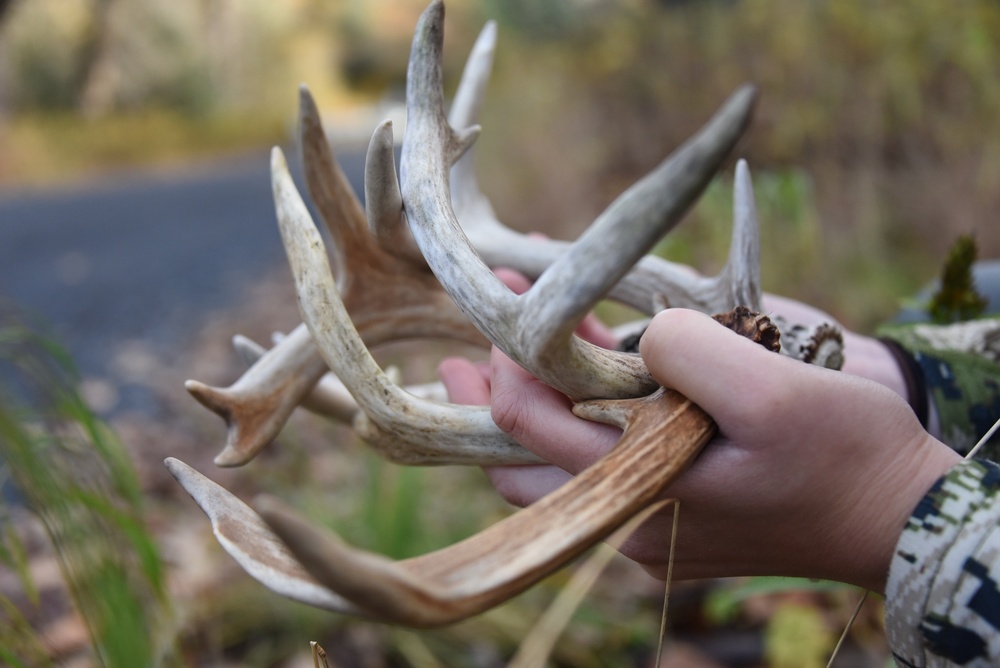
{"points": [[954, 376], [942, 599]]}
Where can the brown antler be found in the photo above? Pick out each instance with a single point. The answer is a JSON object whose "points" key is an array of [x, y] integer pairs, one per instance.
{"points": [[472, 576]]}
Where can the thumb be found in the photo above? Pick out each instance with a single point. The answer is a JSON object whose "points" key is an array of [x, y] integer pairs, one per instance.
{"points": [[710, 364]]}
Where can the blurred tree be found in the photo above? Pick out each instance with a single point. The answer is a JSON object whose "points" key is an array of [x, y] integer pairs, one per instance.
{"points": [[97, 96], [5, 6]]}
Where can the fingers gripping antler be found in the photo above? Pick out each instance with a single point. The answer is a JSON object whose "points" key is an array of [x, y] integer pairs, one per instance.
{"points": [[535, 329]]}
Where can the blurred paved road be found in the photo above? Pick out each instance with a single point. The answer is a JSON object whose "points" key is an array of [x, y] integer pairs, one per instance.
{"points": [[140, 257]]}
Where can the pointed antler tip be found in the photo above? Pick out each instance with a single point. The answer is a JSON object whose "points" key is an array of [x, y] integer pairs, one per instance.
{"points": [[748, 89], [180, 471], [308, 110], [230, 457], [278, 159], [742, 178], [487, 39], [383, 136], [432, 19], [209, 397]]}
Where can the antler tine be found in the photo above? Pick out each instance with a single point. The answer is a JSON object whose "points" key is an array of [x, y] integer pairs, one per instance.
{"points": [[738, 284], [258, 404], [331, 192], [499, 245], [628, 229], [472, 208], [487, 569], [523, 327], [743, 268], [249, 540], [329, 397], [404, 428], [383, 201], [390, 296], [468, 101]]}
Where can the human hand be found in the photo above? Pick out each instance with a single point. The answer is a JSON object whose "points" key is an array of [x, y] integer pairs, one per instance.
{"points": [[813, 474]]}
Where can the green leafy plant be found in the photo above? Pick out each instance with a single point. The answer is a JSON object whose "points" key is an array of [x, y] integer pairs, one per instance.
{"points": [[957, 299], [71, 473]]}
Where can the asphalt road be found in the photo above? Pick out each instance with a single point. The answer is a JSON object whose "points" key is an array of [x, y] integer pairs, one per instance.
{"points": [[140, 257]]}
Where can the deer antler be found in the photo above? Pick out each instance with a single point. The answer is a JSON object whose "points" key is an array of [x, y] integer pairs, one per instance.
{"points": [[388, 291], [404, 428], [315, 567], [535, 328], [644, 284], [330, 397], [662, 431]]}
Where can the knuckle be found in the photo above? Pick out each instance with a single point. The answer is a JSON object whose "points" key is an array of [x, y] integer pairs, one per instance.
{"points": [[511, 411]]}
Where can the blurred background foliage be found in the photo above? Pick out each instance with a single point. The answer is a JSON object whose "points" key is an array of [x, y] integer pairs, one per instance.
{"points": [[873, 143], [73, 474], [873, 147]]}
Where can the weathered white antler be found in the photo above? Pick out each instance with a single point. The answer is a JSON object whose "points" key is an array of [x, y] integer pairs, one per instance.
{"points": [[259, 403], [388, 291], [330, 397], [404, 428], [535, 328], [650, 280]]}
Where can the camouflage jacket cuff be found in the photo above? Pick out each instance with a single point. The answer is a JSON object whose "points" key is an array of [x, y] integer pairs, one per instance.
{"points": [[942, 601], [958, 367]]}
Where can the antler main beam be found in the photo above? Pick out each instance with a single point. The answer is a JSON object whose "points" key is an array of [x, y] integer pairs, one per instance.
{"points": [[403, 427], [535, 328], [292, 557], [662, 433]]}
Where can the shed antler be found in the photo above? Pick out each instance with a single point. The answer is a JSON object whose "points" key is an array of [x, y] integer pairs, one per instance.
{"points": [[386, 287], [384, 283], [535, 329]]}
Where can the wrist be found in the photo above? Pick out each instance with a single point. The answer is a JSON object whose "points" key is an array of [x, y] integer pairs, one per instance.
{"points": [[875, 360], [883, 508]]}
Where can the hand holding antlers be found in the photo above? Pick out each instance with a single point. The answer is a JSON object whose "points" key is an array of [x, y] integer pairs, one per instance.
{"points": [[813, 472], [416, 263]]}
